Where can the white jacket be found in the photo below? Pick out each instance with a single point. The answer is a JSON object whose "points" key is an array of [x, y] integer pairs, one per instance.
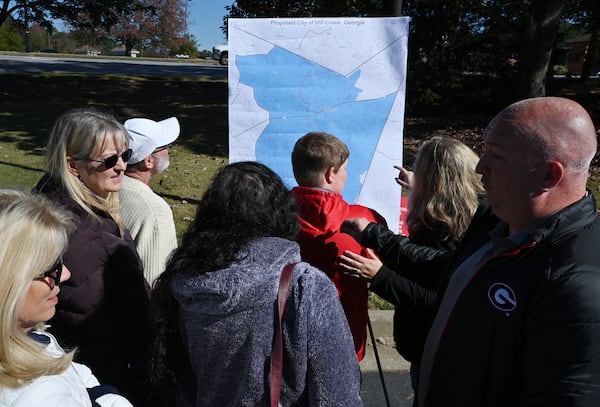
{"points": [[66, 389]]}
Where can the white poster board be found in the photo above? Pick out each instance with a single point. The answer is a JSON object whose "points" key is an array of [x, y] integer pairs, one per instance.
{"points": [[343, 76]]}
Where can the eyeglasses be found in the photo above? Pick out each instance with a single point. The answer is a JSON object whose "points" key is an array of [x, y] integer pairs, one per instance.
{"points": [[157, 149], [112, 160], [54, 273]]}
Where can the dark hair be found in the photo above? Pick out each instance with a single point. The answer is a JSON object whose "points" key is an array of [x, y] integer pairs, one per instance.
{"points": [[245, 201]]}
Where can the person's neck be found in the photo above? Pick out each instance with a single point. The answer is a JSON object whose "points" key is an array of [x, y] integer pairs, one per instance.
{"points": [[143, 176], [322, 188]]}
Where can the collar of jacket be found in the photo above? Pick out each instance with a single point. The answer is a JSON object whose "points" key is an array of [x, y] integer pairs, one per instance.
{"points": [[562, 223], [553, 228]]}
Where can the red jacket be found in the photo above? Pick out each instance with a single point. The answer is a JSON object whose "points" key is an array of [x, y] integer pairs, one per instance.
{"points": [[321, 214]]}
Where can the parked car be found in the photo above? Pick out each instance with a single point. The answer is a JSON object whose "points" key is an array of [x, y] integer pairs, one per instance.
{"points": [[221, 54], [49, 50], [182, 56]]}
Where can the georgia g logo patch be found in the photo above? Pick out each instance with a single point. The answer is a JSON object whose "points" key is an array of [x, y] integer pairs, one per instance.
{"points": [[502, 297]]}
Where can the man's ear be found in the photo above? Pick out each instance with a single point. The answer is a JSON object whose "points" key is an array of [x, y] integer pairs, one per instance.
{"points": [[72, 165], [330, 175], [554, 173], [149, 162]]}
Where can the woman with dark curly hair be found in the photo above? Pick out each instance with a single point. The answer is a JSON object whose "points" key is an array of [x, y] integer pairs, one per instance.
{"points": [[215, 304]]}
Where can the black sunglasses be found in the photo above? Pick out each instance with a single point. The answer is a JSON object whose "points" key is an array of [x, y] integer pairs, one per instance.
{"points": [[157, 149], [54, 273], [112, 160]]}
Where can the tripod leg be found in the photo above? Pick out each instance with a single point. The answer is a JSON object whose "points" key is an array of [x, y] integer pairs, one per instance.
{"points": [[387, 399]]}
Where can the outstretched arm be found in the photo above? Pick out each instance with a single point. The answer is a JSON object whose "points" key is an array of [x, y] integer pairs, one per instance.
{"points": [[416, 262]]}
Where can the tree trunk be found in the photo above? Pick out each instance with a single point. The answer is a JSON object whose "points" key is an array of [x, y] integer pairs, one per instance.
{"points": [[128, 48], [4, 13], [392, 7], [539, 35], [590, 55]]}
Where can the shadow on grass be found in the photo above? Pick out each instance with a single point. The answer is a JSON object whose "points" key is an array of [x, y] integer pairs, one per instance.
{"points": [[180, 198], [30, 103], [23, 167]]}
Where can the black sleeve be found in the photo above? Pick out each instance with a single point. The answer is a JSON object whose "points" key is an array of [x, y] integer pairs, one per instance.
{"points": [[128, 295], [417, 263], [400, 291], [99, 391], [415, 308]]}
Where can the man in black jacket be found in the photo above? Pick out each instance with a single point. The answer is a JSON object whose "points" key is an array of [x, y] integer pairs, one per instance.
{"points": [[518, 318]]}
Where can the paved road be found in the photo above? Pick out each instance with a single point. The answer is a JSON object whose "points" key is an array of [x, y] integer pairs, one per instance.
{"points": [[399, 390], [394, 367], [53, 64]]}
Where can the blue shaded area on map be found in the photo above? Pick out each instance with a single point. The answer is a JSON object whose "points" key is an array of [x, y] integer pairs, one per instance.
{"points": [[302, 96]]}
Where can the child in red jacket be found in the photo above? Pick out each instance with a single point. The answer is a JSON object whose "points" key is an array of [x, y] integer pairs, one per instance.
{"points": [[320, 163]]}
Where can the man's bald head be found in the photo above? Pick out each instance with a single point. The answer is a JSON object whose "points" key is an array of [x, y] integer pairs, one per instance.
{"points": [[554, 129], [536, 158]]}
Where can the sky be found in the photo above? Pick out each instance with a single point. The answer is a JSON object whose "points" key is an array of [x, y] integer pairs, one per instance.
{"points": [[205, 20]]}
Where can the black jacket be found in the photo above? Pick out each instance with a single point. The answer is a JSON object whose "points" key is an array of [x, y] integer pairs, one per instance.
{"points": [[104, 308], [411, 300], [539, 348]]}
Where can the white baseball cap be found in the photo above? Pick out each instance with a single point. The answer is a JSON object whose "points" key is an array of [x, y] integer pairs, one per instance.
{"points": [[146, 135]]}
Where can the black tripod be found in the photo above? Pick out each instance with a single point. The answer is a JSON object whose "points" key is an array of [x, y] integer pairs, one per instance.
{"points": [[374, 342]]}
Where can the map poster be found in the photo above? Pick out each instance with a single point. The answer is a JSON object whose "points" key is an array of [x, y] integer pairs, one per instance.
{"points": [[343, 76]]}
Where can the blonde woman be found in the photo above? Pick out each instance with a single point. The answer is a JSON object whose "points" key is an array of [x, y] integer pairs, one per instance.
{"points": [[34, 370], [104, 309], [444, 193]]}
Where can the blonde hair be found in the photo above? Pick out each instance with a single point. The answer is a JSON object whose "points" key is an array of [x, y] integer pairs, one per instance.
{"points": [[446, 190], [81, 134], [34, 234], [315, 153]]}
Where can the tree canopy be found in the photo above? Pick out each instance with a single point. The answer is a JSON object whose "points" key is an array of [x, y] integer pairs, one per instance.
{"points": [[504, 47], [143, 23], [505, 42]]}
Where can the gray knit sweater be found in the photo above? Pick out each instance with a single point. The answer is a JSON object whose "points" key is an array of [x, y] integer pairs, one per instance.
{"points": [[227, 319]]}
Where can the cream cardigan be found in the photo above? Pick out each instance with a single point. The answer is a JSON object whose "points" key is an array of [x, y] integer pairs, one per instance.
{"points": [[149, 219]]}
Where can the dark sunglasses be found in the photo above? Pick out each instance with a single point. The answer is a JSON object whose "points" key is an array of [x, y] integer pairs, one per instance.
{"points": [[157, 149], [112, 160], [53, 273]]}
